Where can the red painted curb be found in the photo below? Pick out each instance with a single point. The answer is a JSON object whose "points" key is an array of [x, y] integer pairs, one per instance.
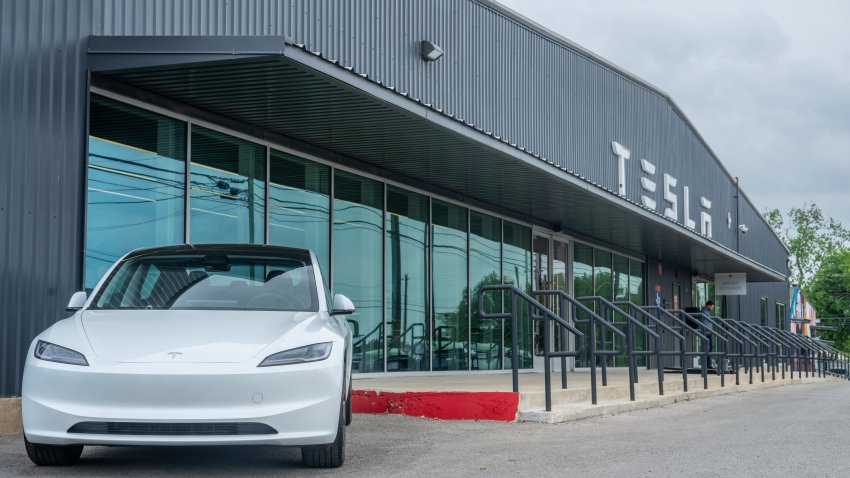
{"points": [[498, 406]]}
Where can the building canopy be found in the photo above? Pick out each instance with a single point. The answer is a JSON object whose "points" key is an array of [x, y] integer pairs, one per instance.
{"points": [[273, 89]]}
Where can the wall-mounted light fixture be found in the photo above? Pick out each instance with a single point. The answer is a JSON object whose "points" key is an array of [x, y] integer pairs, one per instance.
{"points": [[429, 51]]}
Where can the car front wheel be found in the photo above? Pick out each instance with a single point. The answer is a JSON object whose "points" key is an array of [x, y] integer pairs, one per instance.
{"points": [[327, 456], [53, 455]]}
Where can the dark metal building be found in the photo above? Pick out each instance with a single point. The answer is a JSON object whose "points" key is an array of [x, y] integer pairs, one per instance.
{"points": [[517, 155]]}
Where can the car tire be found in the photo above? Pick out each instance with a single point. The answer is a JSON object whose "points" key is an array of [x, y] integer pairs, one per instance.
{"points": [[53, 455], [348, 412], [327, 456]]}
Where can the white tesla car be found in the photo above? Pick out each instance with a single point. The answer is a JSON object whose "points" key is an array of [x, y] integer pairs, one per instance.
{"points": [[195, 345]]}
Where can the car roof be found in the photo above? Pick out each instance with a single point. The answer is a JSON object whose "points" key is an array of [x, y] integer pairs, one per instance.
{"points": [[260, 249]]}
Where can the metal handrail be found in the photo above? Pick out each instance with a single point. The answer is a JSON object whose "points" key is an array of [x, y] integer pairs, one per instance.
{"points": [[718, 330], [361, 340], [736, 340], [787, 347], [547, 316], [773, 354], [632, 352], [662, 328], [786, 344], [823, 349], [802, 346], [401, 339], [686, 329], [760, 353], [592, 321], [737, 327], [764, 353]]}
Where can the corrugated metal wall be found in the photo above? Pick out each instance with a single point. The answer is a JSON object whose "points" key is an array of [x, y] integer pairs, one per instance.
{"points": [[43, 91], [42, 119], [538, 93], [497, 73]]}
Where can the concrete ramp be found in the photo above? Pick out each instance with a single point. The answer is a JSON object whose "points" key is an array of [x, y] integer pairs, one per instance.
{"points": [[489, 396]]}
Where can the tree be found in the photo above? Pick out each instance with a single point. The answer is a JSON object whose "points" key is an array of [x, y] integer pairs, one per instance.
{"points": [[829, 293], [810, 237]]}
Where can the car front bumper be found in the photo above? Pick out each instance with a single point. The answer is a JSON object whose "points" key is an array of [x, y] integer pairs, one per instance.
{"points": [[300, 402]]}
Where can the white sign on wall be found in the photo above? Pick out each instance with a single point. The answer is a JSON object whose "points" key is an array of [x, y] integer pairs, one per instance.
{"points": [[734, 283], [669, 192]]}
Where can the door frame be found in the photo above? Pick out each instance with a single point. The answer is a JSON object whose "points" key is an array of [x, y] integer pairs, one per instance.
{"points": [[551, 237]]}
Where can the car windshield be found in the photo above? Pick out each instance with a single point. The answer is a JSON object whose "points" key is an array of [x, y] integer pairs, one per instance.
{"points": [[210, 281]]}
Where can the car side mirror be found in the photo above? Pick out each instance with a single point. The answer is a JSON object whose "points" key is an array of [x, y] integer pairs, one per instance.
{"points": [[342, 305], [78, 300]]}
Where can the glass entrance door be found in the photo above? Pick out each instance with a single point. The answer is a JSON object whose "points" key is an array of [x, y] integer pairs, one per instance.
{"points": [[550, 262]]}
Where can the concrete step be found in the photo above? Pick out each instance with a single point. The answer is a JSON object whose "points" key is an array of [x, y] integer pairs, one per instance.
{"points": [[565, 412], [537, 400]]}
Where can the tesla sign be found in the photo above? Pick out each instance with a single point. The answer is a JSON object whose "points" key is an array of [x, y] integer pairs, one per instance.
{"points": [[730, 283], [670, 192]]}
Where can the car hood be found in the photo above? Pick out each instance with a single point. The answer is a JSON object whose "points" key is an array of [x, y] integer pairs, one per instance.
{"points": [[209, 336]]}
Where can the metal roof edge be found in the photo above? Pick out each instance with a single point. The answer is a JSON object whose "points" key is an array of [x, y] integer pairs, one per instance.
{"points": [[316, 61], [605, 63]]}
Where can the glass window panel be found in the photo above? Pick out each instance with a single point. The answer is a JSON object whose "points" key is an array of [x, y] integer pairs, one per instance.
{"points": [[637, 293], [582, 287], [407, 286], [299, 205], [620, 276], [358, 263], [516, 269], [719, 300], [603, 285], [699, 294], [227, 189], [136, 188], [485, 256], [560, 259], [542, 280], [451, 306], [763, 311], [583, 270], [780, 316]]}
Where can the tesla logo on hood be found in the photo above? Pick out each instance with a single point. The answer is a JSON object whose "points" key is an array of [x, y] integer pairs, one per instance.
{"points": [[174, 354]]}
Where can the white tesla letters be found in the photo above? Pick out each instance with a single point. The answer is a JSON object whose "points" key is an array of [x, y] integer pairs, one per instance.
{"points": [[671, 198]]}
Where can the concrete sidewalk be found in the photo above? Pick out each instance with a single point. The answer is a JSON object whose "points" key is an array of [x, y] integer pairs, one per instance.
{"points": [[489, 396]]}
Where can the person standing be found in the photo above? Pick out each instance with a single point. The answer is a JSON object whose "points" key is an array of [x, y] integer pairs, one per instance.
{"points": [[706, 312]]}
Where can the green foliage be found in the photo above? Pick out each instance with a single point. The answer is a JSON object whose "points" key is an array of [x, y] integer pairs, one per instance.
{"points": [[829, 292], [810, 237]]}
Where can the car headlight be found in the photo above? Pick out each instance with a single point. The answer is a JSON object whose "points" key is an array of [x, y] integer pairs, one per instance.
{"points": [[55, 353], [309, 353]]}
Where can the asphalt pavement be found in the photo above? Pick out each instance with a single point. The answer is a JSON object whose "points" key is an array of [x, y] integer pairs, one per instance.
{"points": [[799, 430]]}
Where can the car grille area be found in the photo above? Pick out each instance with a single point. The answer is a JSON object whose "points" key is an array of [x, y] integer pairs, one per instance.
{"points": [[172, 429]]}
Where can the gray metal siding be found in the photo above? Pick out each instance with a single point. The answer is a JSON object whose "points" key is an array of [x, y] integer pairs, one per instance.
{"points": [[537, 93], [186, 18], [757, 241], [774, 292], [497, 74], [43, 92], [42, 115]]}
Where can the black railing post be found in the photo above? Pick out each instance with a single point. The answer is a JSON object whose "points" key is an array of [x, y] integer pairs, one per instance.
{"points": [[630, 361], [592, 355], [547, 366], [514, 347], [564, 345]]}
